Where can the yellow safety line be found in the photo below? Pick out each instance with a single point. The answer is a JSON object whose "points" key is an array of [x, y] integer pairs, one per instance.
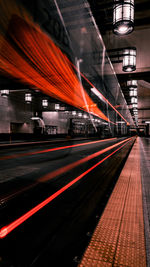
{"points": [[118, 239]]}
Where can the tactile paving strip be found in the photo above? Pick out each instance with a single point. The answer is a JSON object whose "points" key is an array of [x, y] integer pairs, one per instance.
{"points": [[118, 239]]}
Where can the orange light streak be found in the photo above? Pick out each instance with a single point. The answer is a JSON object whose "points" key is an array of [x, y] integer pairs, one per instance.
{"points": [[62, 170], [53, 149], [104, 98], [4, 231], [31, 56]]}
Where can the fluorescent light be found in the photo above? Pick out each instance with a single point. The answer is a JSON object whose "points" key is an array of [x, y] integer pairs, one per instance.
{"points": [[35, 118], [97, 93]]}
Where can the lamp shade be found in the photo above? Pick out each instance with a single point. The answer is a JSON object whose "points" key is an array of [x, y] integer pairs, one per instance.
{"points": [[123, 17], [129, 59], [28, 98], [133, 100], [57, 106], [133, 92], [134, 105], [132, 83], [45, 103], [5, 93]]}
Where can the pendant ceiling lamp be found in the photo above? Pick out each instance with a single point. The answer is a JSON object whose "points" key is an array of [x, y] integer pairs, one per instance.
{"points": [[132, 83], [133, 100], [123, 17], [133, 92], [129, 59], [5, 93], [28, 98], [45, 103]]}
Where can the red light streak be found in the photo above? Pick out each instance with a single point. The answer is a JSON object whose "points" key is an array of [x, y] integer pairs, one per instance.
{"points": [[4, 231], [104, 98], [52, 149], [62, 170], [77, 163], [38, 62]]}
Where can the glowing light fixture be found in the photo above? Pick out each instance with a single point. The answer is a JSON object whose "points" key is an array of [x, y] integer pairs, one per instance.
{"points": [[74, 113], [133, 88], [4, 93], [57, 106], [133, 93], [132, 83], [123, 17], [134, 105], [133, 100], [80, 115], [129, 59], [122, 122], [97, 93], [35, 118], [45, 103], [85, 116], [28, 98]]}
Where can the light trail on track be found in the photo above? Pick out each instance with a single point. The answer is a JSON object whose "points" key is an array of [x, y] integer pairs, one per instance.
{"points": [[53, 149], [4, 231], [61, 170]]}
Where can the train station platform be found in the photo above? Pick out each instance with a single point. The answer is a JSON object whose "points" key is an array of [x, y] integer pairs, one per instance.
{"points": [[122, 236]]}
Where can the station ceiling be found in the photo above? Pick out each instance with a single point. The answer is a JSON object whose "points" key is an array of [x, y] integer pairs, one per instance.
{"points": [[139, 38]]}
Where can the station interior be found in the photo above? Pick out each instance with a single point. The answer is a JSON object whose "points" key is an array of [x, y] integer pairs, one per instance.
{"points": [[75, 133]]}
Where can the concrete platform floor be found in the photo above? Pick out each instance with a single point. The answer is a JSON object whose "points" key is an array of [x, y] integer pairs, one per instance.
{"points": [[119, 238]]}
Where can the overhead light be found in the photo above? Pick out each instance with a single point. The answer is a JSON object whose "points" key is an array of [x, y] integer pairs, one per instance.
{"points": [[45, 103], [80, 114], [133, 93], [132, 83], [129, 59], [147, 122], [57, 106], [5, 93], [133, 100], [74, 113], [120, 121], [134, 105], [133, 88], [85, 116], [35, 118], [123, 17], [97, 93], [28, 98]]}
